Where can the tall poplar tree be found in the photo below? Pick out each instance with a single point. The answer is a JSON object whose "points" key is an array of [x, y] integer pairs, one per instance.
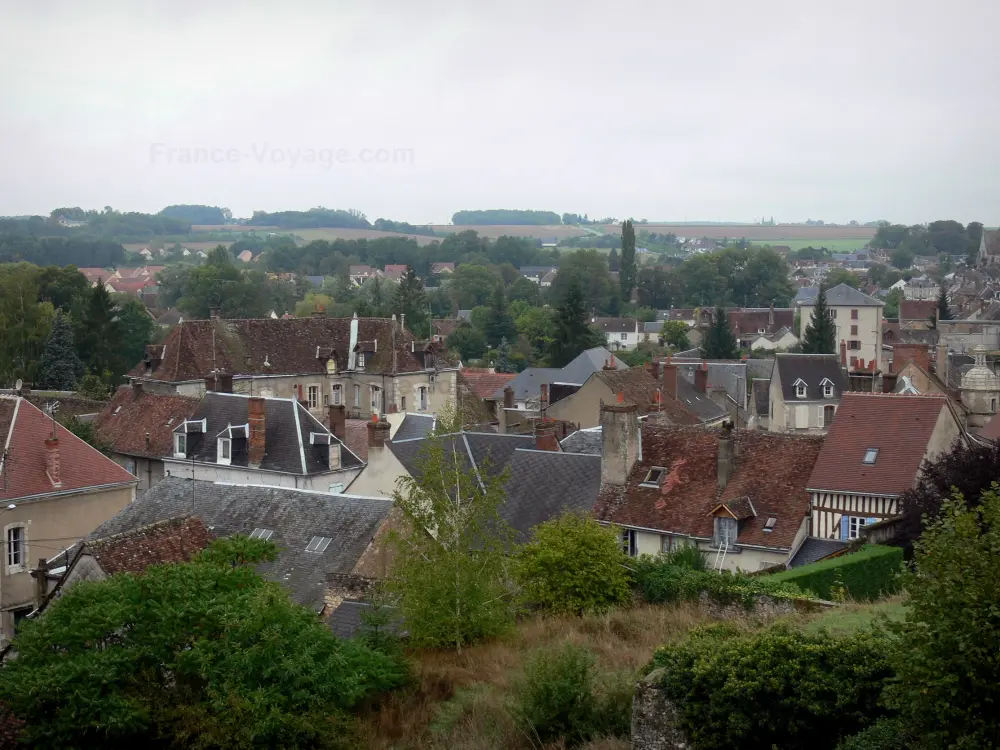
{"points": [[628, 270]]}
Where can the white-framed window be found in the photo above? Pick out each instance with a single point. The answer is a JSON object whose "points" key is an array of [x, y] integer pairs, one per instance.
{"points": [[225, 452], [827, 390], [336, 489], [624, 337], [870, 455], [318, 544], [361, 360], [855, 524], [338, 395], [130, 466], [653, 477], [422, 394], [180, 445], [628, 542], [312, 396], [376, 399], [17, 552], [402, 403], [357, 396], [726, 531], [800, 391], [833, 312]]}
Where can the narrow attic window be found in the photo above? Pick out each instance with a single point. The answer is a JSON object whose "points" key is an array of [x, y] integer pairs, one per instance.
{"points": [[361, 360], [180, 445], [264, 534], [318, 544], [653, 477], [827, 390], [870, 455], [800, 389]]}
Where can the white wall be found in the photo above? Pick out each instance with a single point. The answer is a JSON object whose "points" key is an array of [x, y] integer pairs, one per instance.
{"points": [[869, 324], [243, 475]]}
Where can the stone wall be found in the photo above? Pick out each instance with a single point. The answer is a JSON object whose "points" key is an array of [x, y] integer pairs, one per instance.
{"points": [[655, 720]]}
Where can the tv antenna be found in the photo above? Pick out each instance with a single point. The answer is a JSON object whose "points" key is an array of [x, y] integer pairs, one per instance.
{"points": [[52, 407]]}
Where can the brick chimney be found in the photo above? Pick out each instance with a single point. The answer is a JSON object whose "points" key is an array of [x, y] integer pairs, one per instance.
{"points": [[701, 378], [609, 364], [889, 382], [224, 382], [211, 383], [543, 400], [52, 461], [378, 433], [338, 421], [545, 436], [136, 390], [621, 444], [942, 362], [727, 455], [508, 398], [257, 417], [670, 380]]}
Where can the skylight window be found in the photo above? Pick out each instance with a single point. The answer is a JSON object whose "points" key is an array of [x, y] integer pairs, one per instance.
{"points": [[770, 524], [870, 455], [654, 477], [264, 534], [318, 544], [117, 409]]}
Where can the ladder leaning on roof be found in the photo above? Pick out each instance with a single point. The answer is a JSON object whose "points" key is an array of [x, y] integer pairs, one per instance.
{"points": [[720, 556]]}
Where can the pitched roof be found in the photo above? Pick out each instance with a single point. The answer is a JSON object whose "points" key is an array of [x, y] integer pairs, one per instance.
{"points": [[287, 428], [700, 407], [841, 295], [485, 383], [898, 427], [635, 384], [917, 309], [771, 473], [413, 426], [812, 369], [137, 422], [588, 441], [991, 241], [991, 430], [23, 432], [543, 484], [753, 319], [587, 362], [295, 517], [615, 325], [814, 549], [174, 540], [762, 396], [275, 346]]}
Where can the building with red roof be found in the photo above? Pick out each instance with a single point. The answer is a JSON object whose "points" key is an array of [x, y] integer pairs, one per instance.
{"points": [[54, 490]]}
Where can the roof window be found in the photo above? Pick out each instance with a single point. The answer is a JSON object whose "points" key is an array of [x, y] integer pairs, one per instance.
{"points": [[870, 455], [264, 534], [318, 544], [653, 477], [770, 524]]}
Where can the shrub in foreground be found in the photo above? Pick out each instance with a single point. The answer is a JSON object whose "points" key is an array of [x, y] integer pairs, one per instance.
{"points": [[777, 687], [885, 734], [659, 581], [573, 565], [870, 573]]}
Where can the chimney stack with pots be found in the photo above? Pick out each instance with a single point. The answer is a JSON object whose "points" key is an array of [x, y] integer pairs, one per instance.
{"points": [[257, 418], [843, 353], [545, 436], [701, 378], [621, 444], [544, 397], [136, 390], [378, 433], [670, 379], [942, 362], [52, 461], [338, 421], [224, 382], [727, 455]]}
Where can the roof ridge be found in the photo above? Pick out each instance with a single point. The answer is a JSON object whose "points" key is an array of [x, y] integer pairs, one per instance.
{"points": [[112, 538]]}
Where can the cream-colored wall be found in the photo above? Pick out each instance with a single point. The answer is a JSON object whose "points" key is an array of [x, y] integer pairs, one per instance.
{"points": [[148, 471], [869, 325], [647, 543], [746, 560], [783, 419], [584, 406], [943, 437], [378, 479], [244, 475], [55, 524]]}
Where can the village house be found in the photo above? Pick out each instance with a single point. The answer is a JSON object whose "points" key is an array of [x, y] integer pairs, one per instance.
{"points": [[873, 453], [781, 339], [241, 439], [440, 269], [750, 323], [360, 274], [805, 391], [370, 365], [989, 248], [536, 273], [526, 387], [858, 319], [739, 498], [921, 311], [55, 490], [620, 333], [395, 272], [921, 288]]}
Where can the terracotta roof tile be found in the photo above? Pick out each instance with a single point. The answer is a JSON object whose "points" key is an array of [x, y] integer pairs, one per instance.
{"points": [[484, 383], [898, 427], [917, 309], [125, 421], [175, 540]]}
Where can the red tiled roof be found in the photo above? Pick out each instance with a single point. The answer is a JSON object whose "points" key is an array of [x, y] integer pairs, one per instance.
{"points": [[175, 540], [24, 430], [770, 473], [297, 346], [991, 430], [132, 414], [484, 383], [917, 309], [745, 321], [900, 427]]}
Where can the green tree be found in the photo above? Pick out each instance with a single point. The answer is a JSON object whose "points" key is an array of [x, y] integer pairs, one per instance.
{"points": [[24, 324], [837, 276], [374, 298], [613, 262], [892, 300], [943, 313], [235, 664], [100, 334], [499, 324], [471, 285], [901, 257], [503, 363], [138, 329], [60, 368], [450, 573], [469, 342], [87, 432], [536, 325], [525, 290], [411, 301], [573, 565], [719, 342], [947, 658], [821, 333], [572, 332], [628, 269], [675, 334], [589, 270]]}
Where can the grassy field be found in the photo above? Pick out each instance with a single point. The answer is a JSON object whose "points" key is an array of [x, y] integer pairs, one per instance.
{"points": [[329, 234], [835, 246], [462, 701]]}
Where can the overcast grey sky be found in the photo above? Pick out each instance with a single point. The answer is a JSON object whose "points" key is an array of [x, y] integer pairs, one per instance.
{"points": [[701, 109]]}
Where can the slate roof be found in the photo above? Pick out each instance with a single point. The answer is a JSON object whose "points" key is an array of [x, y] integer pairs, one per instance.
{"points": [[841, 295], [696, 403], [543, 484], [23, 431], [917, 309], [812, 369], [527, 384], [814, 549], [484, 383], [287, 427], [587, 441], [615, 325], [771, 472], [587, 362], [900, 427], [275, 346], [133, 413], [414, 426], [762, 396], [295, 517], [473, 448], [346, 620], [991, 241], [991, 430]]}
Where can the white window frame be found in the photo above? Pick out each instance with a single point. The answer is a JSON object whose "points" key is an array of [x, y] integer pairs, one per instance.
{"points": [[318, 544], [854, 526], [624, 337], [653, 477], [338, 394], [357, 396], [22, 548], [224, 452], [628, 541], [726, 529], [312, 396], [402, 403], [873, 452], [375, 397], [180, 445], [130, 466], [361, 360], [423, 398]]}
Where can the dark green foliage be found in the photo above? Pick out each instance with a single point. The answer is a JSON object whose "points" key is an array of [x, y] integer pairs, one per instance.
{"points": [[499, 323], [505, 216], [589, 271], [314, 217], [821, 332], [469, 342], [948, 655], [943, 312], [137, 330], [204, 654], [195, 214], [562, 697], [60, 368], [627, 269], [660, 580], [59, 251], [410, 300], [573, 333], [504, 363], [868, 574], [100, 335], [685, 557], [386, 225], [719, 342], [87, 433], [613, 263], [884, 734], [777, 688]]}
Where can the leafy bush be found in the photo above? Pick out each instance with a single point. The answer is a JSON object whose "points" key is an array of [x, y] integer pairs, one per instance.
{"points": [[885, 734], [573, 565], [777, 687], [561, 697], [686, 557], [660, 581], [868, 574]]}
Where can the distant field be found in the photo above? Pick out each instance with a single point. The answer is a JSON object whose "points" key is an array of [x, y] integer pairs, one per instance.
{"points": [[493, 231], [308, 235], [229, 228], [835, 246], [783, 232]]}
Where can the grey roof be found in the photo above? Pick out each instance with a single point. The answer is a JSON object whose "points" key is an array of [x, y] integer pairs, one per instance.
{"points": [[840, 295], [473, 448], [731, 376], [762, 396], [543, 484], [526, 385], [535, 270], [316, 281], [345, 621], [700, 404], [615, 325], [584, 441], [696, 353], [814, 549], [812, 369], [465, 314], [759, 368], [295, 517], [414, 426], [287, 427], [652, 327]]}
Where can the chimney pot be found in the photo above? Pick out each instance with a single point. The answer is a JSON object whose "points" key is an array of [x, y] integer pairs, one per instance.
{"points": [[727, 458], [52, 461], [545, 437], [670, 379], [257, 417], [224, 382], [378, 433], [136, 390], [508, 398], [544, 397]]}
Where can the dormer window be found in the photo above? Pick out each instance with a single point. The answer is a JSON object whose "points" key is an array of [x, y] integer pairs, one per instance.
{"points": [[180, 445], [827, 388], [225, 451], [653, 477], [800, 388], [361, 360], [726, 531]]}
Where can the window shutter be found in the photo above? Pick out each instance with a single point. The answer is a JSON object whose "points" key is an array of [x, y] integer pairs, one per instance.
{"points": [[845, 528]]}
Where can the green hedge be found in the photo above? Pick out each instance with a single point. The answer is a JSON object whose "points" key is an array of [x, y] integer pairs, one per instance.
{"points": [[660, 581], [868, 574], [774, 688]]}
